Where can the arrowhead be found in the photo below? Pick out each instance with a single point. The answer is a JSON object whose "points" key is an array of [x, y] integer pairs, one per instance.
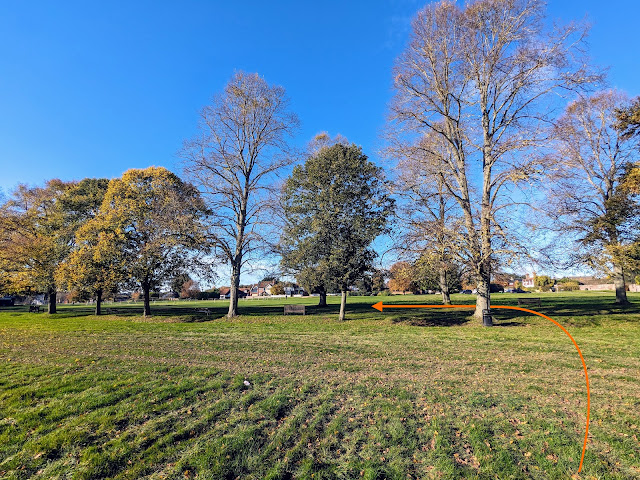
{"points": [[378, 306]]}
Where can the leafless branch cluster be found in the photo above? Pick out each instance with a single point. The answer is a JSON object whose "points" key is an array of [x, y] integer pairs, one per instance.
{"points": [[476, 90], [241, 147]]}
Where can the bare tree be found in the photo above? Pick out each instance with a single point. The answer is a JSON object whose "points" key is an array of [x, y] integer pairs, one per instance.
{"points": [[587, 200], [241, 146], [433, 226], [485, 79]]}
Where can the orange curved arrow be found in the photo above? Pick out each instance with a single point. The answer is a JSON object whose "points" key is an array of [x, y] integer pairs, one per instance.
{"points": [[379, 306]]}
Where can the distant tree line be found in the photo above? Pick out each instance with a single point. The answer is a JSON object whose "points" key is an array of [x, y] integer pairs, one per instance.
{"points": [[480, 154]]}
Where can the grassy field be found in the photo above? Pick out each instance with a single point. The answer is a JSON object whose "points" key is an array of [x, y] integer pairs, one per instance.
{"points": [[400, 394]]}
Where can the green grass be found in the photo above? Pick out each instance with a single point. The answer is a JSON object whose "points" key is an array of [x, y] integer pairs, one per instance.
{"points": [[400, 394]]}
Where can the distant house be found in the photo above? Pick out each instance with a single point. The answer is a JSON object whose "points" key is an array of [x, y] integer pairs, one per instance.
{"points": [[506, 280], [529, 281], [225, 292], [262, 288], [293, 290]]}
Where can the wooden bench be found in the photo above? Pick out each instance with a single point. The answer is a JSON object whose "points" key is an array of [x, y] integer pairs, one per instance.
{"points": [[206, 311], [34, 308], [299, 309], [529, 301]]}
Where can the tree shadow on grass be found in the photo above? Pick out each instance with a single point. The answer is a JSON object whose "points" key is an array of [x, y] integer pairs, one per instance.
{"points": [[508, 324], [591, 308], [568, 306], [432, 318]]}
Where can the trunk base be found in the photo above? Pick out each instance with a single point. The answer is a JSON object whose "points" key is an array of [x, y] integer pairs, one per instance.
{"points": [[343, 305], [52, 302], [322, 302]]}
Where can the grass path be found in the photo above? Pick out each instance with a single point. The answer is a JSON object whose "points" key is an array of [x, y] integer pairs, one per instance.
{"points": [[395, 395]]}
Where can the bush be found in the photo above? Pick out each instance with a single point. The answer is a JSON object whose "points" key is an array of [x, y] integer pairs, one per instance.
{"points": [[384, 293], [277, 289], [209, 295], [569, 286]]}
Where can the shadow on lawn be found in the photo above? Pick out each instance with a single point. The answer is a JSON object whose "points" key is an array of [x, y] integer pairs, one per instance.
{"points": [[451, 318], [558, 308], [360, 307], [434, 319]]}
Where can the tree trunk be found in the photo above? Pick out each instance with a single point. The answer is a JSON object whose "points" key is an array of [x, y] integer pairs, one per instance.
{"points": [[99, 302], [343, 305], [444, 287], [52, 301], [146, 287], [618, 281], [323, 297], [483, 299], [235, 287]]}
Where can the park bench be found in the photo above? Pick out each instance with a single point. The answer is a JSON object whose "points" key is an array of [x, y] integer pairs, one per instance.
{"points": [[529, 301], [206, 311], [34, 308], [299, 309]]}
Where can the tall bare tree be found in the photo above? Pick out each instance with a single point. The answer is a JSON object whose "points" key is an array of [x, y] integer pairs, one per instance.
{"points": [[588, 199], [485, 79], [241, 146]]}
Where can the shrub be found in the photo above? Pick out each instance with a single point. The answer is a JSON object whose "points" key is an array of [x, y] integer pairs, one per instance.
{"points": [[208, 295], [569, 286], [277, 289]]}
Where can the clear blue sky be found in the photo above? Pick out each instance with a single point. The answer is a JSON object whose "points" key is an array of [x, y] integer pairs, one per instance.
{"points": [[95, 88]]}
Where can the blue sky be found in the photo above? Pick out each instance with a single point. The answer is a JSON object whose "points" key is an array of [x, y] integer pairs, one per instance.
{"points": [[95, 88], [90, 89]]}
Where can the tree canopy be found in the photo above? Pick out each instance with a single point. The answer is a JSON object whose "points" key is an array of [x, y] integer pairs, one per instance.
{"points": [[148, 228], [335, 204], [36, 235]]}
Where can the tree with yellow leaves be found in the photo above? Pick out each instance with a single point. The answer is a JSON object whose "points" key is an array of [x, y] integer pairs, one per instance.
{"points": [[149, 227], [97, 265], [34, 238]]}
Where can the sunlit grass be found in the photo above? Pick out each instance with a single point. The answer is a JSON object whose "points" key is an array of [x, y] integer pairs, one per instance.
{"points": [[399, 394]]}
